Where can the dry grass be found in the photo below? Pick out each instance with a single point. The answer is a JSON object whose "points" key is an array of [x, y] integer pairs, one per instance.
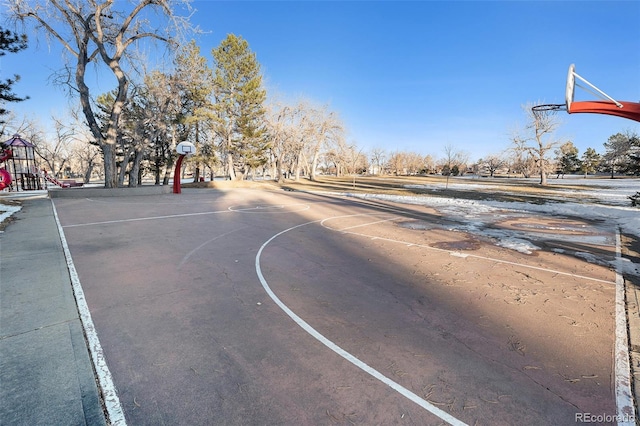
{"points": [[501, 189], [228, 184]]}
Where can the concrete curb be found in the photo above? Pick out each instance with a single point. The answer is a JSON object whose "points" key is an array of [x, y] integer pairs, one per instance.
{"points": [[109, 192], [46, 373], [633, 313]]}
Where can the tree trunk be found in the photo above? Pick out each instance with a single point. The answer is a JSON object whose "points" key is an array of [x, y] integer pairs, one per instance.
{"points": [[297, 168], [109, 156], [196, 175], [543, 178], [279, 176], [123, 168], [87, 173], [135, 169], [230, 170], [314, 166]]}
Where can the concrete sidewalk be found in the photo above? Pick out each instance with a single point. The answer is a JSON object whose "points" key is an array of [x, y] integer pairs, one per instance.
{"points": [[46, 374]]}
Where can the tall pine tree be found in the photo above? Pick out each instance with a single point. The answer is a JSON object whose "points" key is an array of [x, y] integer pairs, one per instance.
{"points": [[590, 161], [238, 110], [10, 42], [195, 85]]}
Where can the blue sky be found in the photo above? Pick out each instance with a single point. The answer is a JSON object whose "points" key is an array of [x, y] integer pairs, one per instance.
{"points": [[419, 75]]}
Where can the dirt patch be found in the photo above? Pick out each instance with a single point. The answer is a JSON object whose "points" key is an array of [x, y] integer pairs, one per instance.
{"points": [[546, 225], [458, 245]]}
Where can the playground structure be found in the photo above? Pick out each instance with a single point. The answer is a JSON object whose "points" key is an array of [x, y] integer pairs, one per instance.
{"points": [[21, 172], [5, 176], [65, 183], [607, 106]]}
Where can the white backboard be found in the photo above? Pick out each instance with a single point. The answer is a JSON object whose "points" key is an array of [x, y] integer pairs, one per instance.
{"points": [[570, 90], [186, 148]]}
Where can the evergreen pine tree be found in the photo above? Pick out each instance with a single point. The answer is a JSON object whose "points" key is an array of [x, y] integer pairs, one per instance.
{"points": [[238, 108], [10, 42]]}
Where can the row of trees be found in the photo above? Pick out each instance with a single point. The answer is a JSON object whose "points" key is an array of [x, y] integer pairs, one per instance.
{"points": [[621, 156], [305, 139], [221, 110], [224, 111], [309, 141], [534, 144]]}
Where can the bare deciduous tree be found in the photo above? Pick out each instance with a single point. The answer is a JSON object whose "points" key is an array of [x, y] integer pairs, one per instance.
{"points": [[453, 158], [353, 160], [299, 133], [100, 34], [57, 153], [396, 163], [327, 129], [492, 163], [537, 139], [377, 157], [282, 124], [429, 164]]}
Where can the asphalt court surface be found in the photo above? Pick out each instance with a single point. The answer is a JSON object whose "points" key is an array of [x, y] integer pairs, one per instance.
{"points": [[256, 307]]}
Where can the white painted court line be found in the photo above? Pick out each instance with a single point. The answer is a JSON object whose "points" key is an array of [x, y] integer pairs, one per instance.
{"points": [[271, 208], [188, 255], [105, 380], [624, 395], [259, 209], [338, 350], [368, 224], [138, 219]]}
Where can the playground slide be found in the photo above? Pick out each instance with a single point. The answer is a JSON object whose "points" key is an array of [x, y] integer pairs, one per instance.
{"points": [[5, 176], [5, 179], [55, 181], [5, 154]]}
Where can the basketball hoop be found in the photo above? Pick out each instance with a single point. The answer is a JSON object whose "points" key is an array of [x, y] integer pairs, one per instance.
{"points": [[549, 107], [607, 106], [183, 149]]}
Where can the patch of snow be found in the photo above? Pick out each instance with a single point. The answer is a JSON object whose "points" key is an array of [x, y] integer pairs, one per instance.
{"points": [[591, 258], [6, 211], [627, 267], [477, 216]]}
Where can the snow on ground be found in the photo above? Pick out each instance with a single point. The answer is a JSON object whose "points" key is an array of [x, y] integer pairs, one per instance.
{"points": [[612, 212], [6, 211], [605, 191]]}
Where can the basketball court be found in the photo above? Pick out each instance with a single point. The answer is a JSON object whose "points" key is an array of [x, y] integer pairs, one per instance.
{"points": [[274, 307]]}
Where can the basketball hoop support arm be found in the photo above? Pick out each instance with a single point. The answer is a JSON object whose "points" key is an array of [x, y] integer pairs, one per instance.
{"points": [[176, 175], [183, 149], [618, 104]]}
